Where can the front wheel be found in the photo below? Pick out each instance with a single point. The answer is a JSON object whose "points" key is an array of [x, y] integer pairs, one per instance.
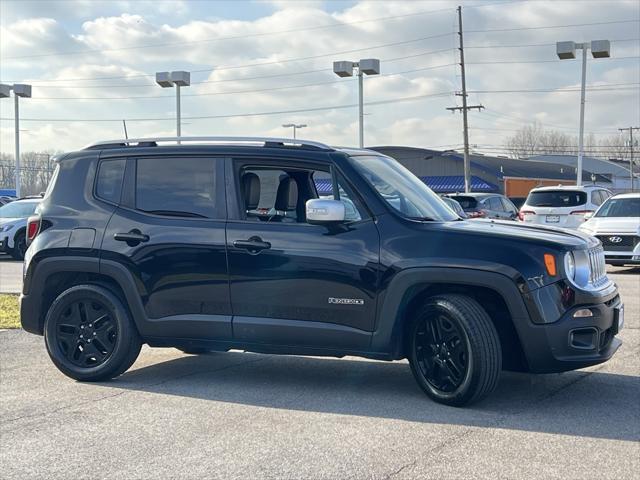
{"points": [[454, 350], [90, 335]]}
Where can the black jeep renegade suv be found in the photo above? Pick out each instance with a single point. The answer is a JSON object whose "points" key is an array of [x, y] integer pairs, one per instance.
{"points": [[293, 247]]}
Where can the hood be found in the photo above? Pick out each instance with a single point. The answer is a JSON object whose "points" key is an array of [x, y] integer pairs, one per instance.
{"points": [[571, 239], [612, 225]]}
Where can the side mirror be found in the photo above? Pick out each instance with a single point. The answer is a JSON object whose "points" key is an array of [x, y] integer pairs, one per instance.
{"points": [[321, 212]]}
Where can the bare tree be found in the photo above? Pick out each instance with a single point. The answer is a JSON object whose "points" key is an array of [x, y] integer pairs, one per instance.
{"points": [[36, 169]]}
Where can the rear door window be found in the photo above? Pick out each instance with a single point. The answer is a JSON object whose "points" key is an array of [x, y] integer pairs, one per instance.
{"points": [[557, 198], [177, 187]]}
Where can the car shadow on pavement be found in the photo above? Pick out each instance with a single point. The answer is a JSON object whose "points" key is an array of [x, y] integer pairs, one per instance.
{"points": [[580, 403]]}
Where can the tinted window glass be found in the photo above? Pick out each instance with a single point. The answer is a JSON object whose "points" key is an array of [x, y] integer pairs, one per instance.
{"points": [[109, 183], [183, 187], [557, 198], [467, 203]]}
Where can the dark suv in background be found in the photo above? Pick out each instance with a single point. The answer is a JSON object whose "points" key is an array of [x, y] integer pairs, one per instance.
{"points": [[293, 247]]}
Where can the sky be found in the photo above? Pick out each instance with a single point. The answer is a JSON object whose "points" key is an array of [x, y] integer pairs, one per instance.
{"points": [[256, 65]]}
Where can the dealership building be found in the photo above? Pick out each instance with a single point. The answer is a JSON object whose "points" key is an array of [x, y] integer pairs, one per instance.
{"points": [[442, 171]]}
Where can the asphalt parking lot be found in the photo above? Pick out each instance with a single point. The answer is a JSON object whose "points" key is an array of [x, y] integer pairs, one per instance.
{"points": [[242, 415]]}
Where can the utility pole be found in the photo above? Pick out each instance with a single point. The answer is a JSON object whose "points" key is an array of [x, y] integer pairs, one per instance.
{"points": [[464, 109], [630, 129]]}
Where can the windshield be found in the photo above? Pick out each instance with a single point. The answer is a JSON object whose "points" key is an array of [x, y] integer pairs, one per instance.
{"points": [[401, 189], [18, 209], [620, 207], [557, 198]]}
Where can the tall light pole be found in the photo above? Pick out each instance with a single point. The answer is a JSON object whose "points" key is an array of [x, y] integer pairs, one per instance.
{"points": [[368, 66], [567, 50], [19, 90], [177, 79], [295, 127]]}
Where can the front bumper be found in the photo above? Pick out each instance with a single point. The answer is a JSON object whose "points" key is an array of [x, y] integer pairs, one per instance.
{"points": [[4, 244], [570, 343]]}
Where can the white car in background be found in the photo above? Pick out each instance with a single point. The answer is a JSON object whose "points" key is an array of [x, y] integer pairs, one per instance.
{"points": [[617, 225], [563, 206], [13, 226]]}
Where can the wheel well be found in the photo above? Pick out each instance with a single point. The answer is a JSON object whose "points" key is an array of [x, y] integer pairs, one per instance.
{"points": [[19, 231], [58, 282], [512, 353]]}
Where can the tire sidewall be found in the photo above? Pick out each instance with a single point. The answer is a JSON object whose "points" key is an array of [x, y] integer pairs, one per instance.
{"points": [[20, 237], [123, 340], [460, 395]]}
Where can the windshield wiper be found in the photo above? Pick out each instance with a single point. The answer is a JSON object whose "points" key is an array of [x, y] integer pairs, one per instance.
{"points": [[176, 213]]}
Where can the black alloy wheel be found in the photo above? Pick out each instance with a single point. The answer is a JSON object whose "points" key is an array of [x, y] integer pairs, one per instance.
{"points": [[86, 333], [442, 352], [454, 350], [90, 334]]}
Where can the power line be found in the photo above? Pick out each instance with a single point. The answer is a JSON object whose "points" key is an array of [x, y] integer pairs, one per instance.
{"points": [[618, 40], [234, 37], [497, 62], [270, 89], [240, 115], [543, 27]]}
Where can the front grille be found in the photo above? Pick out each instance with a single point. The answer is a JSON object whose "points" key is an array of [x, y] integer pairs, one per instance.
{"points": [[598, 269], [619, 242]]}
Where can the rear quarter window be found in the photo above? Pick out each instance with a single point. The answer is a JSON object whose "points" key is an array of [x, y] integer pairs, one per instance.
{"points": [[109, 182], [557, 198]]}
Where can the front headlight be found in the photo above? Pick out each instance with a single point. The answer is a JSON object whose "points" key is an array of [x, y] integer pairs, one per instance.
{"points": [[570, 266], [6, 227]]}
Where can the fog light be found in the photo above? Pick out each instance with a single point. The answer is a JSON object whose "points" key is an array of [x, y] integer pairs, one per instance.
{"points": [[583, 313]]}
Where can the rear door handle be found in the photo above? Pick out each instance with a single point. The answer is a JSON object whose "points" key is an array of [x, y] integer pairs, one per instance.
{"points": [[253, 244], [131, 238]]}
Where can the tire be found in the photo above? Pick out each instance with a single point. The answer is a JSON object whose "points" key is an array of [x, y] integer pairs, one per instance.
{"points": [[19, 246], [89, 334], [462, 364]]}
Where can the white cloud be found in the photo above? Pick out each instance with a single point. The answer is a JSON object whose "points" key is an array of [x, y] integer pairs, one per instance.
{"points": [[112, 28]]}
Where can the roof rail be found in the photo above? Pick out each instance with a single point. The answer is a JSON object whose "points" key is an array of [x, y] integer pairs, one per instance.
{"points": [[153, 142]]}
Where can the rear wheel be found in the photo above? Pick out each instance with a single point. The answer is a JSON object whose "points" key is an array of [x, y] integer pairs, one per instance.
{"points": [[19, 246], [90, 335], [454, 350]]}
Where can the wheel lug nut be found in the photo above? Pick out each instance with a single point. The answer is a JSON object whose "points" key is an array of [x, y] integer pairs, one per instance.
{"points": [[90, 325], [81, 336], [94, 334], [82, 327]]}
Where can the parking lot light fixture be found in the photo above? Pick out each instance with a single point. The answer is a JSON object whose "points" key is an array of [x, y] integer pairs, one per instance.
{"points": [[19, 90], [567, 51], [367, 66], [295, 126], [177, 79]]}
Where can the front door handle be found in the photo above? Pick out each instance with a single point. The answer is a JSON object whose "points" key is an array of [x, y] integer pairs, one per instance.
{"points": [[253, 245], [131, 238]]}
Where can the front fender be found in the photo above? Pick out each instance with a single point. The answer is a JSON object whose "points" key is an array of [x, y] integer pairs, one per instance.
{"points": [[404, 285]]}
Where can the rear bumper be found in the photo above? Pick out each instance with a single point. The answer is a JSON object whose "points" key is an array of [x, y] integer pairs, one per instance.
{"points": [[571, 343]]}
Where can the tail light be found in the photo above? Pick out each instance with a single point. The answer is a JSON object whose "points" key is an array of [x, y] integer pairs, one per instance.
{"points": [[524, 213], [33, 228]]}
